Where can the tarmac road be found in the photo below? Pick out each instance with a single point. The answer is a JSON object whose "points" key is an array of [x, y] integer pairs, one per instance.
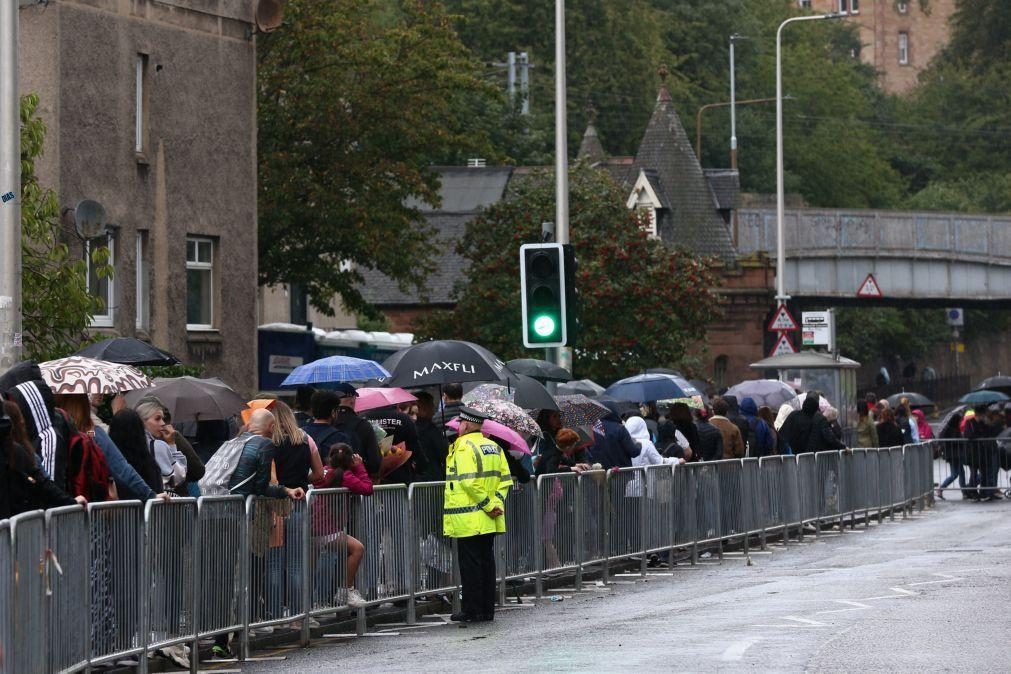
{"points": [[929, 593]]}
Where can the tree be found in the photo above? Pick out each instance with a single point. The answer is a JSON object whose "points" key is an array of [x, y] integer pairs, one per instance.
{"points": [[642, 304], [356, 99], [56, 304]]}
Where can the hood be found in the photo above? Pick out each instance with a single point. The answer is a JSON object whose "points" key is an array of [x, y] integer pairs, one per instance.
{"points": [[810, 405], [749, 407], [785, 410], [36, 402], [24, 371], [734, 409], [636, 427]]}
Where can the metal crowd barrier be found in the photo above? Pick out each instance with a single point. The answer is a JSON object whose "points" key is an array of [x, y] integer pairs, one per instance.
{"points": [[969, 466], [82, 587]]}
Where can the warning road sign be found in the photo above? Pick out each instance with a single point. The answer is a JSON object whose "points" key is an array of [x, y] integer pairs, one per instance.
{"points": [[869, 288], [783, 346], [782, 321]]}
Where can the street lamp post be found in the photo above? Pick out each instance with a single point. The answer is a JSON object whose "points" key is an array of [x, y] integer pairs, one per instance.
{"points": [[781, 296], [733, 104], [10, 189]]}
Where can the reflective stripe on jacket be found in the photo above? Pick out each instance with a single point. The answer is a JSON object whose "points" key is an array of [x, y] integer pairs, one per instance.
{"points": [[477, 481]]}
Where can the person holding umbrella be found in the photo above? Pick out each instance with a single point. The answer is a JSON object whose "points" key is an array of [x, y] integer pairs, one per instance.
{"points": [[477, 483]]}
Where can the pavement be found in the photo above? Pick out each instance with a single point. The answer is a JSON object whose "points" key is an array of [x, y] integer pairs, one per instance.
{"points": [[927, 593]]}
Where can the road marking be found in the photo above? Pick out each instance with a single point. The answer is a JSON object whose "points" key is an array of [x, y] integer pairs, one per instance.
{"points": [[901, 591], [805, 621], [945, 578], [736, 650], [899, 594], [855, 606]]}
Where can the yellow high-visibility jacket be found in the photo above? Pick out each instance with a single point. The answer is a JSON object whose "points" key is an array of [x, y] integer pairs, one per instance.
{"points": [[477, 480]]}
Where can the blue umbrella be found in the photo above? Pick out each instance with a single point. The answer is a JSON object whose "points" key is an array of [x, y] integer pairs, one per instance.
{"points": [[983, 397], [335, 369], [644, 387]]}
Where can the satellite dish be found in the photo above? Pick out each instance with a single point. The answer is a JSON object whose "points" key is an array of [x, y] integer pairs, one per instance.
{"points": [[269, 15], [89, 219]]}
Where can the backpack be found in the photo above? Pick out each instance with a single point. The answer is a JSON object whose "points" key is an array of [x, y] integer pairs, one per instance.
{"points": [[219, 469], [88, 473], [327, 437], [754, 450]]}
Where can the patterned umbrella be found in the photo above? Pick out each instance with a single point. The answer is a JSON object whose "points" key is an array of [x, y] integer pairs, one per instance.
{"points": [[335, 369], [486, 392], [84, 375], [518, 447], [376, 398], [525, 391], [508, 414], [578, 410]]}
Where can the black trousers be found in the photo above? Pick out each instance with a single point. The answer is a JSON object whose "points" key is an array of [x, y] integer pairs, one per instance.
{"points": [[477, 575]]}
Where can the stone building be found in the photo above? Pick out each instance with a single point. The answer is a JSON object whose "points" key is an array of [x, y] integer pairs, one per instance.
{"points": [[685, 205], [898, 38], [150, 107]]}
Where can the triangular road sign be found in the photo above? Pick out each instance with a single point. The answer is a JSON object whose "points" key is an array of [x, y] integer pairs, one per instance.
{"points": [[783, 346], [782, 321], [869, 288]]}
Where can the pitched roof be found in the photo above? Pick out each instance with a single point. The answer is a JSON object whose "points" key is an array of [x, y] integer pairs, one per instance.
{"points": [[725, 185], [590, 147], [692, 219], [464, 192]]}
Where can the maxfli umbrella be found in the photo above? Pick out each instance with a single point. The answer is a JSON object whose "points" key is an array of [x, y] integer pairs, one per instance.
{"points": [[916, 400], [579, 410], [983, 397], [128, 351], [517, 445], [75, 374], [541, 370], [645, 387], [192, 399], [587, 387], [508, 414], [334, 370], [1000, 383], [771, 393], [443, 362], [525, 391], [376, 398]]}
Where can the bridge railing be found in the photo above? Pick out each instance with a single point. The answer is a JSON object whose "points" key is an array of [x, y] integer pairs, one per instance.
{"points": [[83, 587]]}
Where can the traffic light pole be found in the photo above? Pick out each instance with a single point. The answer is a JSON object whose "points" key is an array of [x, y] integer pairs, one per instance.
{"points": [[557, 355]]}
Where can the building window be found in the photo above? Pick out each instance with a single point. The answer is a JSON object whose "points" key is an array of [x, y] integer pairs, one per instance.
{"points": [[844, 6], [902, 7], [903, 49], [199, 284], [101, 287], [805, 4], [720, 371], [854, 6], [143, 283], [140, 105], [298, 305]]}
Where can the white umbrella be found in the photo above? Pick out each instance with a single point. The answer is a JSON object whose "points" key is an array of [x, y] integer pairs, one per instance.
{"points": [[76, 374], [768, 392]]}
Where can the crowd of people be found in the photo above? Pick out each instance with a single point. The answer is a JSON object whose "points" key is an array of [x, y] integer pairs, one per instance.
{"points": [[62, 450], [988, 430]]}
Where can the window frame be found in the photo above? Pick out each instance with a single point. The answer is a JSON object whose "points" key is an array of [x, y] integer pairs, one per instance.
{"points": [[804, 4], [140, 108], [903, 45], [196, 265], [108, 319], [902, 7], [843, 6], [854, 6], [142, 271]]}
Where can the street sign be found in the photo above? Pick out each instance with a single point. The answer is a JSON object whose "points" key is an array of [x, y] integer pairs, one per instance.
{"points": [[869, 288], [817, 328], [783, 321], [956, 317], [783, 346]]}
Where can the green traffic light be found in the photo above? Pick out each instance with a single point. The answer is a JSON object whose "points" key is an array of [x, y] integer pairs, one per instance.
{"points": [[544, 326]]}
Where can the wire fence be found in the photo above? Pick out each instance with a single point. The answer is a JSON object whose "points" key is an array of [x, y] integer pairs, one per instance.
{"points": [[81, 587]]}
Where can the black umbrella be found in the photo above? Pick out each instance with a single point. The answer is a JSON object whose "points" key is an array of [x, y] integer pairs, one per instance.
{"points": [[443, 362], [587, 387], [1000, 383], [916, 400], [520, 389], [618, 407], [541, 370], [127, 351]]}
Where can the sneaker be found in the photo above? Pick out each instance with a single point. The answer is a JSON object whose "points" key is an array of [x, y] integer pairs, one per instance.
{"points": [[222, 652], [940, 495], [355, 600], [461, 618], [262, 630]]}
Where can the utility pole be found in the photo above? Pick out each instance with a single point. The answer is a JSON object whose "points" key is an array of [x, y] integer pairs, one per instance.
{"points": [[10, 189], [511, 78], [733, 105], [561, 356], [523, 61]]}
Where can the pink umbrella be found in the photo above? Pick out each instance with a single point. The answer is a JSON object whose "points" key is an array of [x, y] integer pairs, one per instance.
{"points": [[374, 398], [517, 445]]}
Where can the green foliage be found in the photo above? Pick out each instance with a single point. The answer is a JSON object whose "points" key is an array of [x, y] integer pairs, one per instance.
{"points": [[870, 334], [57, 306], [369, 324], [356, 98], [641, 303]]}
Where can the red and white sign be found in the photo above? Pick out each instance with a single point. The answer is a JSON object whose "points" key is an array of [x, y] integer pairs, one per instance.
{"points": [[783, 321], [783, 346], [869, 288]]}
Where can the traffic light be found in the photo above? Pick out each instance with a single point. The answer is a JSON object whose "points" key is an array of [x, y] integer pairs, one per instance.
{"points": [[543, 294]]}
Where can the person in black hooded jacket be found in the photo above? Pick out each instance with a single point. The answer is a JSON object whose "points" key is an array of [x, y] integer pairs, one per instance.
{"points": [[23, 486], [808, 430]]}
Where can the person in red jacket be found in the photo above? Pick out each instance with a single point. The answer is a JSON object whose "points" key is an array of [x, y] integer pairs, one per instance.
{"points": [[344, 469]]}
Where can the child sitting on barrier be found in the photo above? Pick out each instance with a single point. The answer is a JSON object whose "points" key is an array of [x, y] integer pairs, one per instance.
{"points": [[344, 469]]}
